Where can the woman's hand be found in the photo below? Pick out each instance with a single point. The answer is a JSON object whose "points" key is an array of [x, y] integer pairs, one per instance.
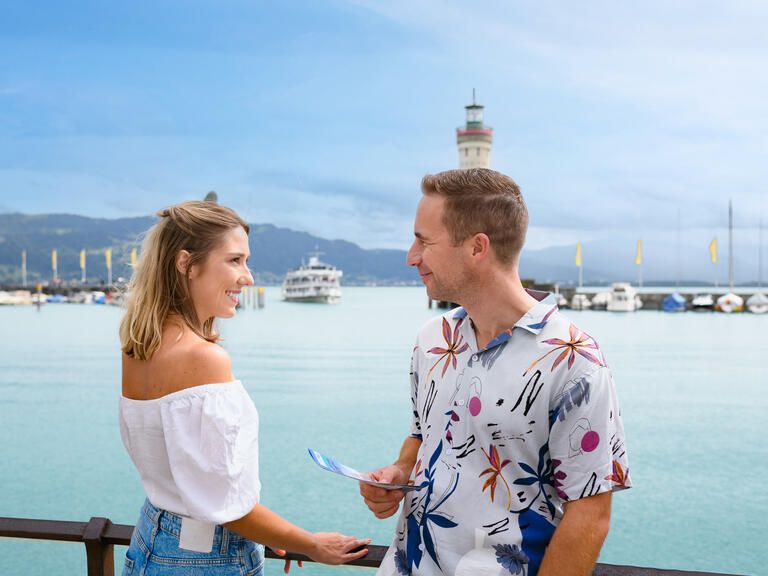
{"points": [[334, 548]]}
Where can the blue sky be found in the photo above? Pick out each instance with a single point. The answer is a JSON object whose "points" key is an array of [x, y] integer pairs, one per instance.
{"points": [[323, 116]]}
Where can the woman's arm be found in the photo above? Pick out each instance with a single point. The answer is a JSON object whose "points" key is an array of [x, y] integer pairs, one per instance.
{"points": [[268, 528]]}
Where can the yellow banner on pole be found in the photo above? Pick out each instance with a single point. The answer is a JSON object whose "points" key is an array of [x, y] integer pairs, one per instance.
{"points": [[713, 250], [108, 256], [134, 258], [54, 259], [82, 259], [639, 255], [578, 254]]}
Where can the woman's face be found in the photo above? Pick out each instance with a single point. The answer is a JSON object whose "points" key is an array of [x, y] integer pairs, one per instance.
{"points": [[215, 285]]}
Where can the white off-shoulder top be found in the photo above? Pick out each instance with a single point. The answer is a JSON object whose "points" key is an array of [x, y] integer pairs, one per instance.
{"points": [[196, 450]]}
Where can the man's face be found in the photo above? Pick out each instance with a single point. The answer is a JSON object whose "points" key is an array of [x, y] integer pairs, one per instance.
{"points": [[441, 265]]}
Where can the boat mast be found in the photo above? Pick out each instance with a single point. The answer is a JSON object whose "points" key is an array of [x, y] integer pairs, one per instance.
{"points": [[760, 255], [730, 245], [677, 272]]}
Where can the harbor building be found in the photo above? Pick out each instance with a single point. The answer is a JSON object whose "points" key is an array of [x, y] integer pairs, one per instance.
{"points": [[474, 139]]}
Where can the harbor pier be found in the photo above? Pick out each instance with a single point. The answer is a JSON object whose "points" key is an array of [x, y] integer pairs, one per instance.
{"points": [[652, 297]]}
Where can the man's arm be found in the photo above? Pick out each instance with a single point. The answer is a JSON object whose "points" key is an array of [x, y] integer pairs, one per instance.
{"points": [[577, 540], [384, 503]]}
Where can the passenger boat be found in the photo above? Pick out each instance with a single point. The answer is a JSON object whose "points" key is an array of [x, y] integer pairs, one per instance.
{"points": [[315, 281], [624, 298]]}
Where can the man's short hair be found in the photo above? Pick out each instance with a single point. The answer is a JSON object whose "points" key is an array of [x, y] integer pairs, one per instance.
{"points": [[479, 200]]}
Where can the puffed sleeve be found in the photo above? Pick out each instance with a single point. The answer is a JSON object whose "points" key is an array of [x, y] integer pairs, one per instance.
{"points": [[415, 417], [212, 445], [586, 442]]}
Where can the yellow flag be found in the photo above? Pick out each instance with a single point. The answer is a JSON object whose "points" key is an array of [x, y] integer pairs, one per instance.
{"points": [[108, 256], [54, 259], [578, 254], [82, 259], [133, 258], [713, 250], [639, 255]]}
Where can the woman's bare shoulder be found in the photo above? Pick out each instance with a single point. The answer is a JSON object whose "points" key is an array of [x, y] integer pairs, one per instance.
{"points": [[187, 362], [207, 363]]}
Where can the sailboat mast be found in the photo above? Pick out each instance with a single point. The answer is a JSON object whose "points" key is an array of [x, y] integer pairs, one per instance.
{"points": [[730, 245], [760, 255], [677, 271]]}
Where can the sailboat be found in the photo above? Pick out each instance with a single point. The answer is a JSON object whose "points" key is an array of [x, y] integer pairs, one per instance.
{"points": [[758, 302], [675, 302], [730, 302]]}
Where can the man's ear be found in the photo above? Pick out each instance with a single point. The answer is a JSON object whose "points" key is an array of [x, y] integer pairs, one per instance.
{"points": [[182, 261], [481, 246]]}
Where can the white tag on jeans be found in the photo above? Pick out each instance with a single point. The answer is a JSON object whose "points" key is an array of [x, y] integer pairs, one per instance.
{"points": [[196, 535]]}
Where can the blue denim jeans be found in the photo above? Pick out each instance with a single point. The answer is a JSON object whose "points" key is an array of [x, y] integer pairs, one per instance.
{"points": [[154, 550]]}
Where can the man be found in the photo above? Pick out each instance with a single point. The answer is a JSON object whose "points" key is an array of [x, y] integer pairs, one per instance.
{"points": [[516, 438]]}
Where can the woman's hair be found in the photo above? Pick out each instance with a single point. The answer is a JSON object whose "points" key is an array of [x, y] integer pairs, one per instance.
{"points": [[157, 289]]}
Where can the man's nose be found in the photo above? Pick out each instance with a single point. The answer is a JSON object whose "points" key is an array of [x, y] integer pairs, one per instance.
{"points": [[414, 255]]}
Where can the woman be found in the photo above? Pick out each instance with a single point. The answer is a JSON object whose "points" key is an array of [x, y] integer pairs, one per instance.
{"points": [[190, 427]]}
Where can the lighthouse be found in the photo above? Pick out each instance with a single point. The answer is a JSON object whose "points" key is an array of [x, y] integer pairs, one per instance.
{"points": [[474, 139]]}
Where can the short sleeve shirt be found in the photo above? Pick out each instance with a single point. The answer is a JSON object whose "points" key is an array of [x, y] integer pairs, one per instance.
{"points": [[508, 434]]}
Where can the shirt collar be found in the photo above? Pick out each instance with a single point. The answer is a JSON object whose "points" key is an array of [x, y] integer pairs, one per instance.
{"points": [[533, 321]]}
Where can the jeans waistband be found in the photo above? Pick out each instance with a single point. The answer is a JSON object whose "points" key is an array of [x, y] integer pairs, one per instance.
{"points": [[170, 522]]}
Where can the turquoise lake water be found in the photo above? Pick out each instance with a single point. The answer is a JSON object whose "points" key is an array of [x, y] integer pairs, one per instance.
{"points": [[693, 390]]}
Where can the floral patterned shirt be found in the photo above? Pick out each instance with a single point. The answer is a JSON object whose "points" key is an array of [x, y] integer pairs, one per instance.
{"points": [[509, 434]]}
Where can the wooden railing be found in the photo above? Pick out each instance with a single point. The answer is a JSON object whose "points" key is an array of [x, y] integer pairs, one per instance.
{"points": [[100, 536]]}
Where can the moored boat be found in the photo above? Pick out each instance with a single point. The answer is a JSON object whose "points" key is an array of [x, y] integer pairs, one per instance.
{"points": [[624, 298], [703, 302], [757, 303], [729, 303], [580, 302], [674, 302], [15, 298], [600, 300]]}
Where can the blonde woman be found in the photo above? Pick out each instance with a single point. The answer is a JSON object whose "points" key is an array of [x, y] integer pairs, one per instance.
{"points": [[188, 425]]}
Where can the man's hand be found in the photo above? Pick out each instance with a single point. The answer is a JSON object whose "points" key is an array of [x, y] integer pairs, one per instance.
{"points": [[384, 503]]}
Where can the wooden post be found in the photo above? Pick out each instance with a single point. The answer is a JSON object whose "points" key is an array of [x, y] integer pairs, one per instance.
{"points": [[101, 556]]}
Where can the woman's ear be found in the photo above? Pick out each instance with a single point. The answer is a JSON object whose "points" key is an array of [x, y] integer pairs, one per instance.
{"points": [[182, 261]]}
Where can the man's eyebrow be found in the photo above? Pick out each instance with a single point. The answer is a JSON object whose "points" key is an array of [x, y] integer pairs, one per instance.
{"points": [[420, 236]]}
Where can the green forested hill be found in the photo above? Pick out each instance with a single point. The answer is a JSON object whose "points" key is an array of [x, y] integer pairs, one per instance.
{"points": [[273, 250]]}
